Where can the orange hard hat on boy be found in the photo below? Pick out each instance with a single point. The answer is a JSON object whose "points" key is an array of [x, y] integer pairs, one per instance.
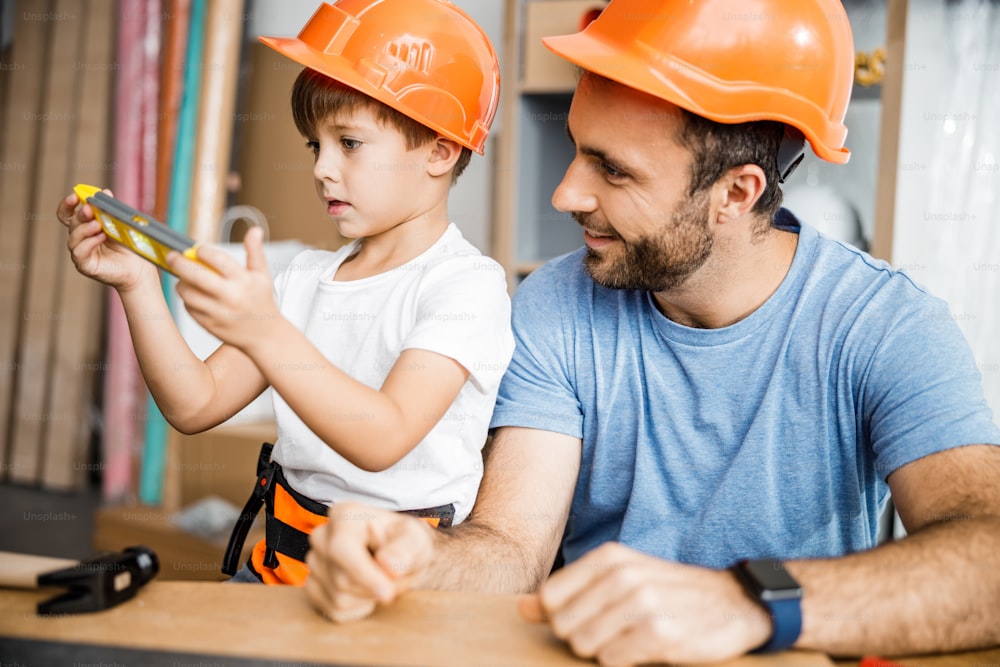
{"points": [[729, 61], [424, 58]]}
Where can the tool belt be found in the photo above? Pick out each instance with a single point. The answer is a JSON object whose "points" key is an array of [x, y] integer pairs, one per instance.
{"points": [[290, 519]]}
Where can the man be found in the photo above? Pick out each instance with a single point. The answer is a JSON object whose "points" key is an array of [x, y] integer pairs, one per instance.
{"points": [[709, 405]]}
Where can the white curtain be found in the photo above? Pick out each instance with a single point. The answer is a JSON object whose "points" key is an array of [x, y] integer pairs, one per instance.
{"points": [[947, 228]]}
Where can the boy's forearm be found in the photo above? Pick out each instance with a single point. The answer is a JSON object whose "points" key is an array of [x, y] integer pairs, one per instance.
{"points": [[178, 380]]}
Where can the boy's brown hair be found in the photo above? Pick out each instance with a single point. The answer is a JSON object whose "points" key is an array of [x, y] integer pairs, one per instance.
{"points": [[316, 97]]}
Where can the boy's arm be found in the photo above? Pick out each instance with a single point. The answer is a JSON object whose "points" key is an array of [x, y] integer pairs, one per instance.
{"points": [[373, 428], [193, 395]]}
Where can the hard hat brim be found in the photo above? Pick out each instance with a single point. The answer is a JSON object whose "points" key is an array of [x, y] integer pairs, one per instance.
{"points": [[343, 71], [688, 87]]}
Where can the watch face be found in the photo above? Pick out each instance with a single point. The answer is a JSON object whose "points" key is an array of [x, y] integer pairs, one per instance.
{"points": [[774, 581]]}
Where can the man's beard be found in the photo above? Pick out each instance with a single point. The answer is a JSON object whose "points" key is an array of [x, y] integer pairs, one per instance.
{"points": [[660, 261]]}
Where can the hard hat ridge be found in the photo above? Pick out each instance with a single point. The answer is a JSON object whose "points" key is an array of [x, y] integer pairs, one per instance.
{"points": [[426, 59]]}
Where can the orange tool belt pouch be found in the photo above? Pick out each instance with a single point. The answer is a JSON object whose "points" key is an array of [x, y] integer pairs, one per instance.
{"points": [[290, 519]]}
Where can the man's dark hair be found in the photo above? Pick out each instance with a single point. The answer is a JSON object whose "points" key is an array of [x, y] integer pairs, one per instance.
{"points": [[315, 97], [719, 147]]}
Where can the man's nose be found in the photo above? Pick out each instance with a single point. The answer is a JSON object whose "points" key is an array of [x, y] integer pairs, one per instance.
{"points": [[573, 194]]}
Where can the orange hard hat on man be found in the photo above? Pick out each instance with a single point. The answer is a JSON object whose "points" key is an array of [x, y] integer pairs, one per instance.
{"points": [[426, 59], [729, 60]]}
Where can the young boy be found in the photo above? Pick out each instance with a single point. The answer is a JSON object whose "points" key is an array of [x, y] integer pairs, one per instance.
{"points": [[385, 355]]}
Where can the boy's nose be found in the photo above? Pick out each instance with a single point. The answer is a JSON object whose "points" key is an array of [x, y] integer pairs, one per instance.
{"points": [[325, 169]]}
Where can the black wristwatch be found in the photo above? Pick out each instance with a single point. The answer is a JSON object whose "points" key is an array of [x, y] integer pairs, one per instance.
{"points": [[768, 582]]}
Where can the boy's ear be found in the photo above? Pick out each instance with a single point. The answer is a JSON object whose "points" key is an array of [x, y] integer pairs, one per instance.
{"points": [[444, 153]]}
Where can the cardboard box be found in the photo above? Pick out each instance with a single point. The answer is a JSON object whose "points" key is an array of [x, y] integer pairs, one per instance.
{"points": [[544, 71], [219, 462]]}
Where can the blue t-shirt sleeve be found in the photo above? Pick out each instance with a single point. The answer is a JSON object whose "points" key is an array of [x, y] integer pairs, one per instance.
{"points": [[537, 390], [923, 392]]}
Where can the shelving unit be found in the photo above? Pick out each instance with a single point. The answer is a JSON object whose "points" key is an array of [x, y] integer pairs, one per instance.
{"points": [[533, 151]]}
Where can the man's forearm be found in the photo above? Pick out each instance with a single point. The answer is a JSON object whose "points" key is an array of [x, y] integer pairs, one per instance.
{"points": [[507, 545], [936, 590], [472, 557]]}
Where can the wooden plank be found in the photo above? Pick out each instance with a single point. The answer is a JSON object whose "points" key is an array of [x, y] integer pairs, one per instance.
{"points": [[888, 152], [124, 391], [154, 459], [78, 364], [216, 105], [179, 204], [423, 627], [149, 102], [171, 94], [7, 64], [20, 144], [123, 407], [217, 102], [19, 570], [47, 238], [504, 218]]}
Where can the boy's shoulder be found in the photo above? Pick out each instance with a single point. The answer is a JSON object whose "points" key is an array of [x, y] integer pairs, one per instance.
{"points": [[453, 253], [317, 260], [453, 246]]}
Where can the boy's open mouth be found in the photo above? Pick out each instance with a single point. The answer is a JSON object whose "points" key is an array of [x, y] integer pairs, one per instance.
{"points": [[336, 206]]}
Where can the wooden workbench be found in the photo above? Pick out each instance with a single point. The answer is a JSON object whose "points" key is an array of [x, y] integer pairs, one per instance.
{"points": [[173, 623]]}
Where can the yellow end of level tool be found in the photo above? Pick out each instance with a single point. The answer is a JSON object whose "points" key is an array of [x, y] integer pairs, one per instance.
{"points": [[143, 234]]}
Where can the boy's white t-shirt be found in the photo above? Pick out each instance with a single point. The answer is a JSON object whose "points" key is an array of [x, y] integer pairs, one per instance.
{"points": [[450, 300]]}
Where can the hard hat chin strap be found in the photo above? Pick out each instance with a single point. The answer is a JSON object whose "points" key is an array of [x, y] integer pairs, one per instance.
{"points": [[790, 152]]}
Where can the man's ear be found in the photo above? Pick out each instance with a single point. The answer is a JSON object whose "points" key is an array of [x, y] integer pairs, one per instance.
{"points": [[444, 153], [739, 189]]}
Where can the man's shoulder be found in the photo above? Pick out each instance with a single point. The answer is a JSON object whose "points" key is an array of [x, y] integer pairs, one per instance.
{"points": [[863, 302], [856, 273], [564, 273], [826, 258]]}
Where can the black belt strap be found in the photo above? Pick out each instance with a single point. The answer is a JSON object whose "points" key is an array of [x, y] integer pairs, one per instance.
{"points": [[265, 480]]}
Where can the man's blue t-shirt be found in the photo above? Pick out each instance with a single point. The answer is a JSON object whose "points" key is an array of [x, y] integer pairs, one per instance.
{"points": [[772, 437]]}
